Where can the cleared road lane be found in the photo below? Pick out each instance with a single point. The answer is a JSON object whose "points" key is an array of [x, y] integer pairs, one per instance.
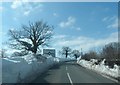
{"points": [[70, 72]]}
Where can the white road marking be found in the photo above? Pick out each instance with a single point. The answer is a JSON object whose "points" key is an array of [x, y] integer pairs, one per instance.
{"points": [[69, 78], [66, 68], [110, 78], [106, 76]]}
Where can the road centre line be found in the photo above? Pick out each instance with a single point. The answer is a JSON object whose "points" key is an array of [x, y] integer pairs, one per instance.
{"points": [[69, 78], [66, 68]]}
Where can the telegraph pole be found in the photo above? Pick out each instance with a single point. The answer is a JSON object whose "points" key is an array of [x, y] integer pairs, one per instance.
{"points": [[81, 52]]}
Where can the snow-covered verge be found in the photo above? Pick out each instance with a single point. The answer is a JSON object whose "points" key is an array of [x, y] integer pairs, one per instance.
{"points": [[101, 67], [24, 70]]}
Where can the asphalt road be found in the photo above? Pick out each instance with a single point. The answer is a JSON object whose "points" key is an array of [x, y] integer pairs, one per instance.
{"points": [[70, 72]]}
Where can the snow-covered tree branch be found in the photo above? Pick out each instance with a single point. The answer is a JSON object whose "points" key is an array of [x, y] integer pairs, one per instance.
{"points": [[32, 36]]}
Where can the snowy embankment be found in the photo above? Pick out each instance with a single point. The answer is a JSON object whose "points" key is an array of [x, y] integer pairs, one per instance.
{"points": [[101, 67], [24, 70]]}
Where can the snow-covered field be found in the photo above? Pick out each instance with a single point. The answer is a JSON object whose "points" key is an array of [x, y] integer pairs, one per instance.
{"points": [[25, 69], [101, 68]]}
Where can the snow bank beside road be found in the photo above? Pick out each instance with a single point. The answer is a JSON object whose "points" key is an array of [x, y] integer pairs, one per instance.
{"points": [[25, 69], [101, 68]]}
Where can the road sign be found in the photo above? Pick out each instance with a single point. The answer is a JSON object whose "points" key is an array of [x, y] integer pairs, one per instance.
{"points": [[49, 52]]}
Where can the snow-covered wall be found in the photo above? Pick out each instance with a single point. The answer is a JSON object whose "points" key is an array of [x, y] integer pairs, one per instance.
{"points": [[19, 70]]}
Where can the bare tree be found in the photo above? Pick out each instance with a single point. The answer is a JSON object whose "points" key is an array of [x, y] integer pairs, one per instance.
{"points": [[111, 51], [31, 37], [90, 55], [66, 51], [76, 53]]}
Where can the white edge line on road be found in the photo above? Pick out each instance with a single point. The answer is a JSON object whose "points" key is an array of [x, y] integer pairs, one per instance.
{"points": [[69, 78], [109, 78], [103, 75]]}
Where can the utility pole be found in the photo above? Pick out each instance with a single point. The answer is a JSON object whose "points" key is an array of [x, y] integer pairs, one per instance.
{"points": [[81, 52]]}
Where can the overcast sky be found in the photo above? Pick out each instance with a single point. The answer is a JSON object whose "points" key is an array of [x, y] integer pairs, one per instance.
{"points": [[79, 25]]}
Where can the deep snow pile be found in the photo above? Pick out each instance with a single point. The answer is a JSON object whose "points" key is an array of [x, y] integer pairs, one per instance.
{"points": [[25, 69], [101, 68]]}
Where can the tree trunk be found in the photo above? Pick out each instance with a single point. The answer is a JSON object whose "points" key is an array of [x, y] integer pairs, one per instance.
{"points": [[35, 49], [66, 54]]}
